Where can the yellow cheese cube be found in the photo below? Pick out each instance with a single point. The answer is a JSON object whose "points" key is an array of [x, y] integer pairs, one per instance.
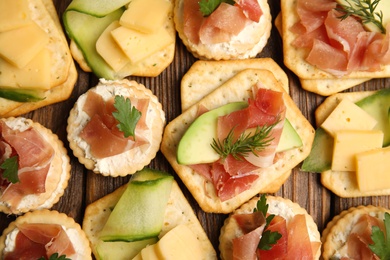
{"points": [[149, 253], [21, 45], [146, 16], [35, 75], [137, 45], [348, 116], [14, 14], [110, 51], [373, 169], [347, 143]]}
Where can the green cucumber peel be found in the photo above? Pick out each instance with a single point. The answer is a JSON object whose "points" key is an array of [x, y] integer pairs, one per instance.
{"points": [[97, 8], [22, 95]]}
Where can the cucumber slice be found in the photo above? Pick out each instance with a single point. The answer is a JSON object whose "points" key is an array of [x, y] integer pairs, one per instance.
{"points": [[98, 8], [22, 95], [85, 30], [139, 213]]}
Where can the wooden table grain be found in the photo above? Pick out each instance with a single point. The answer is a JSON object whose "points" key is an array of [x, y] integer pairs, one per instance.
{"points": [[301, 187]]}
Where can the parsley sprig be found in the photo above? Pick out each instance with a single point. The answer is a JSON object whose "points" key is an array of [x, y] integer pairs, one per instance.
{"points": [[127, 115], [245, 144], [269, 238], [363, 9], [10, 167], [208, 6], [381, 242], [55, 256]]}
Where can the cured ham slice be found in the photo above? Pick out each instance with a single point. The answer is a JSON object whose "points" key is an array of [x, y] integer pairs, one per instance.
{"points": [[349, 44], [226, 21], [34, 241], [278, 250], [102, 133]]}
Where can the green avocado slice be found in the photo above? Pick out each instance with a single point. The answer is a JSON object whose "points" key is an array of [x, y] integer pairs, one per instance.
{"points": [[22, 95]]}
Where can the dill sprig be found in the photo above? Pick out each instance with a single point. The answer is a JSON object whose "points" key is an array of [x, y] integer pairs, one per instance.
{"points": [[363, 9], [245, 143]]}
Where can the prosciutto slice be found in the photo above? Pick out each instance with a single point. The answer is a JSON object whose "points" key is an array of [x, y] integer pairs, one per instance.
{"points": [[37, 240]]}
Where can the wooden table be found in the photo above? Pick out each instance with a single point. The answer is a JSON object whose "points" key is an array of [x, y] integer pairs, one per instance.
{"points": [[86, 186]]}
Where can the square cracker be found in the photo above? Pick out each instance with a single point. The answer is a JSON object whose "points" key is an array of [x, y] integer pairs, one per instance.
{"points": [[238, 88], [215, 73], [314, 79]]}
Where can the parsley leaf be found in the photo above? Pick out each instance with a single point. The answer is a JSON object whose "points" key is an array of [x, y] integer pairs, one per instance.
{"points": [[268, 238], [10, 167], [55, 257], [127, 116], [381, 244], [206, 7]]}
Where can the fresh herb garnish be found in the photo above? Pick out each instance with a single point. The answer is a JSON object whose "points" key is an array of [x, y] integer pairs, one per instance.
{"points": [[208, 6], [246, 143], [55, 257], [127, 116], [363, 9], [381, 243], [10, 167], [268, 238]]}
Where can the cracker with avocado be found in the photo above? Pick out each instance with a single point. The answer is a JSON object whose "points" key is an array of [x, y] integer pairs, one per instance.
{"points": [[63, 73], [312, 78], [343, 183], [238, 88], [178, 211], [215, 73]]}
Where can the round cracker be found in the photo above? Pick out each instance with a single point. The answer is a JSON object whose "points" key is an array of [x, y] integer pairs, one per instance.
{"points": [[79, 241], [131, 160], [277, 206], [57, 177], [247, 44], [338, 229]]}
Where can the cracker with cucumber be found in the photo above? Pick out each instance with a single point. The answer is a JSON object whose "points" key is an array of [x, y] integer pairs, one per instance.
{"points": [[36, 65], [115, 39], [148, 218], [337, 44], [351, 144], [189, 139]]}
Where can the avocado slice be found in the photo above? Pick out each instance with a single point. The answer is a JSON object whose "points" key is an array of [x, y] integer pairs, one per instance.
{"points": [[289, 139], [22, 95], [139, 213], [195, 145], [85, 30]]}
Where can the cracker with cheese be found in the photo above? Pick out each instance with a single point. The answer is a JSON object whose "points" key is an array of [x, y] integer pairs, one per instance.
{"points": [[116, 40], [312, 50], [269, 179], [177, 213], [352, 143], [339, 238], [36, 66]]}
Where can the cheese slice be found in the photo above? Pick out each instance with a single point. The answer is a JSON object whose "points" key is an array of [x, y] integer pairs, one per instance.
{"points": [[35, 75], [373, 169], [347, 143], [137, 46], [146, 16], [348, 116], [21, 45], [14, 14], [110, 51]]}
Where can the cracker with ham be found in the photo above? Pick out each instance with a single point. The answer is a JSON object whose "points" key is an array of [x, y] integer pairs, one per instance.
{"points": [[216, 37], [63, 73], [338, 236], [178, 211], [50, 228], [116, 156], [270, 179], [215, 73], [42, 177], [307, 238], [343, 183], [334, 76]]}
